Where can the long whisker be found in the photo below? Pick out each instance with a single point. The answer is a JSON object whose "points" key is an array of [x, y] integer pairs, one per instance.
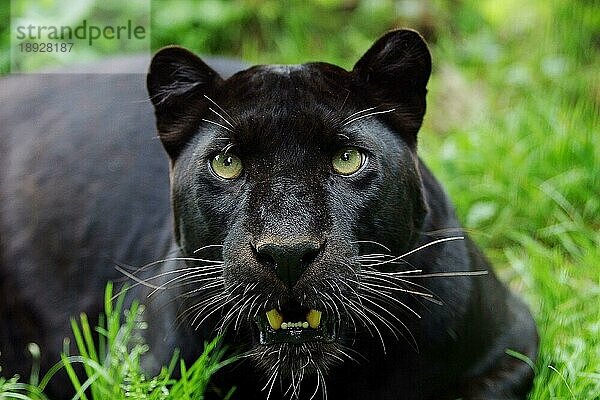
{"points": [[178, 278], [450, 274], [165, 260], [372, 242], [217, 124], [448, 239], [206, 247], [208, 269], [222, 109], [197, 324], [394, 288], [358, 112], [368, 115]]}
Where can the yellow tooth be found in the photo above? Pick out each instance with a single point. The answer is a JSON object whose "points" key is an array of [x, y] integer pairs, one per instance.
{"points": [[275, 319], [313, 318]]}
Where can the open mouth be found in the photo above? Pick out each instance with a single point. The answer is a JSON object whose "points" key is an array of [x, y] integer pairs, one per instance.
{"points": [[296, 326]]}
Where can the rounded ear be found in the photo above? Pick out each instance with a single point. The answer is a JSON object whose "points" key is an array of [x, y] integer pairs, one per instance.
{"points": [[394, 72], [176, 82]]}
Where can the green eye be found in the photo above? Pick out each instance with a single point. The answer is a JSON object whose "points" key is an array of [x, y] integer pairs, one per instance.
{"points": [[227, 166], [348, 160]]}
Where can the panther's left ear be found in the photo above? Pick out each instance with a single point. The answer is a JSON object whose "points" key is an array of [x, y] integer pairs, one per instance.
{"points": [[177, 82], [394, 74]]}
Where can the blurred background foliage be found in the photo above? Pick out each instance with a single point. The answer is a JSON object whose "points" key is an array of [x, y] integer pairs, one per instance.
{"points": [[512, 130]]}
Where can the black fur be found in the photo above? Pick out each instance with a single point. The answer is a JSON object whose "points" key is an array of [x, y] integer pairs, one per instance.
{"points": [[83, 185]]}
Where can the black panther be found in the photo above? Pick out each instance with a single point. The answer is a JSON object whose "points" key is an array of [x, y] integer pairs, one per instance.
{"points": [[299, 223]]}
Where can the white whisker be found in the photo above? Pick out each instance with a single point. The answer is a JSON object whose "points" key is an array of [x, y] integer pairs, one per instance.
{"points": [[206, 247], [372, 242], [450, 274], [368, 115], [217, 124], [222, 109], [358, 112], [400, 257]]}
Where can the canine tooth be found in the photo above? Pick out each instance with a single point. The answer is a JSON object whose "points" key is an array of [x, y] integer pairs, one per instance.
{"points": [[313, 318], [275, 319]]}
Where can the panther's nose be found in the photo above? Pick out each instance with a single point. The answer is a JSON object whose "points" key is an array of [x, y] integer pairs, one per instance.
{"points": [[289, 258]]}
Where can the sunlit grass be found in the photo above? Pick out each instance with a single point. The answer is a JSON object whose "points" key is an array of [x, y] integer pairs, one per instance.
{"points": [[524, 173], [111, 357]]}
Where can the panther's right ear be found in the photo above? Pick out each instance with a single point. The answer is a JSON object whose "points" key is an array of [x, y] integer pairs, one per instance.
{"points": [[177, 82], [394, 73]]}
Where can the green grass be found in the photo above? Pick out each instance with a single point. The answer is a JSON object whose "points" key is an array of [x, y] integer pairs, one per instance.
{"points": [[512, 131], [524, 172], [111, 359]]}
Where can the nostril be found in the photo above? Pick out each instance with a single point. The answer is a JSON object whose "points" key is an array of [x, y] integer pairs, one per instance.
{"points": [[263, 255], [309, 257], [267, 260]]}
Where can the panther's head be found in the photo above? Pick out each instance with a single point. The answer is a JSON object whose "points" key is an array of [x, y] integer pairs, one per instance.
{"points": [[300, 181]]}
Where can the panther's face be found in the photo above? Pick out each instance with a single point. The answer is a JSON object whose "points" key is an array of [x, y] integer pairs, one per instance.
{"points": [[288, 184]]}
